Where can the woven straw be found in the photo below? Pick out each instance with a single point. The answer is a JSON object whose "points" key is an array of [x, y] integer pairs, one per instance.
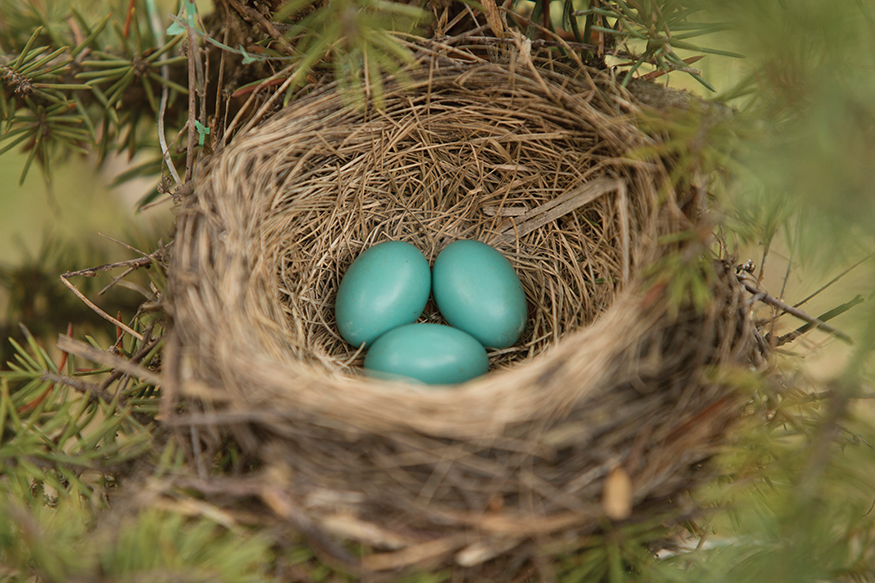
{"points": [[607, 383]]}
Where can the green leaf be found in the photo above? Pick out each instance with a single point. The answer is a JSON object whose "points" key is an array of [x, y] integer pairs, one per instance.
{"points": [[202, 132], [247, 58], [176, 28], [92, 35], [24, 52]]}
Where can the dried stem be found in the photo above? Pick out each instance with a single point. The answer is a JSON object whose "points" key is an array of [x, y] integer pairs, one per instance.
{"points": [[97, 310], [837, 311], [774, 302], [88, 352]]}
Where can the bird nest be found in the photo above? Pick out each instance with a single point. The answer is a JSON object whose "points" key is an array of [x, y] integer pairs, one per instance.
{"points": [[603, 409]]}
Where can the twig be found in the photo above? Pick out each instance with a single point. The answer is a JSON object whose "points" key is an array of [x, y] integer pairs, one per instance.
{"points": [[560, 206], [767, 299], [88, 352], [158, 32], [278, 500], [115, 280], [250, 13], [97, 310], [689, 61], [826, 316], [196, 451], [123, 244], [220, 86], [136, 358], [128, 18], [561, 42], [91, 389], [93, 271], [766, 248], [192, 102]]}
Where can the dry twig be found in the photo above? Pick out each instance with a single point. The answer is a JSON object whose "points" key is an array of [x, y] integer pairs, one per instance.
{"points": [[767, 299]]}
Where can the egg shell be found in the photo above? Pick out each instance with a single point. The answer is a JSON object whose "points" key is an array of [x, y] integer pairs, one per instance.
{"points": [[431, 353], [385, 287], [477, 290]]}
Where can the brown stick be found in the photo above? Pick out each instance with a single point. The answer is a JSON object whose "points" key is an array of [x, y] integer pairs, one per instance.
{"points": [[92, 271], [192, 103], [88, 352], [97, 310], [767, 299], [837, 311], [91, 389], [249, 13]]}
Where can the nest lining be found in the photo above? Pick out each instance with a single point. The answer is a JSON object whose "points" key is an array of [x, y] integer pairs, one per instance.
{"points": [[602, 379], [472, 160]]}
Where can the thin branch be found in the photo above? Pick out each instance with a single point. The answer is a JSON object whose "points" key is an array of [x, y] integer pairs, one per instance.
{"points": [[826, 316], [116, 279], [192, 102], [97, 310], [766, 248], [249, 13], [158, 31], [93, 271], [136, 358], [123, 244], [88, 352], [198, 454], [90, 389], [767, 299]]}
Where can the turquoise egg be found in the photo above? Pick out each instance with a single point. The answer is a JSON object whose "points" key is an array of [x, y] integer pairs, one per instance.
{"points": [[431, 353], [477, 290], [385, 287]]}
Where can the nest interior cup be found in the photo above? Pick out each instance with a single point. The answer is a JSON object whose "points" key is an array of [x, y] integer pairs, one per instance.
{"points": [[538, 162]]}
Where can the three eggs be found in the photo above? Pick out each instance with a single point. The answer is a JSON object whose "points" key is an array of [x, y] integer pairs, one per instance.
{"points": [[386, 289]]}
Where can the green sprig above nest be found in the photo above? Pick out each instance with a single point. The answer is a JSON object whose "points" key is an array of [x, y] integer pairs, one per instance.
{"points": [[111, 83]]}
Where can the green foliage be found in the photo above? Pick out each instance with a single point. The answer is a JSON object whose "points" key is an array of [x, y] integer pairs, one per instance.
{"points": [[48, 123], [63, 543], [102, 87], [359, 37], [61, 92], [795, 505], [63, 432], [659, 26], [809, 84], [66, 439]]}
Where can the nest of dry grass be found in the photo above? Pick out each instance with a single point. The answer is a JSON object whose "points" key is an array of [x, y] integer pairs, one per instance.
{"points": [[607, 388]]}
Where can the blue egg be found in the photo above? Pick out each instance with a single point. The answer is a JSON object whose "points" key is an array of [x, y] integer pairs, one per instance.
{"points": [[430, 353], [385, 287], [477, 290]]}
